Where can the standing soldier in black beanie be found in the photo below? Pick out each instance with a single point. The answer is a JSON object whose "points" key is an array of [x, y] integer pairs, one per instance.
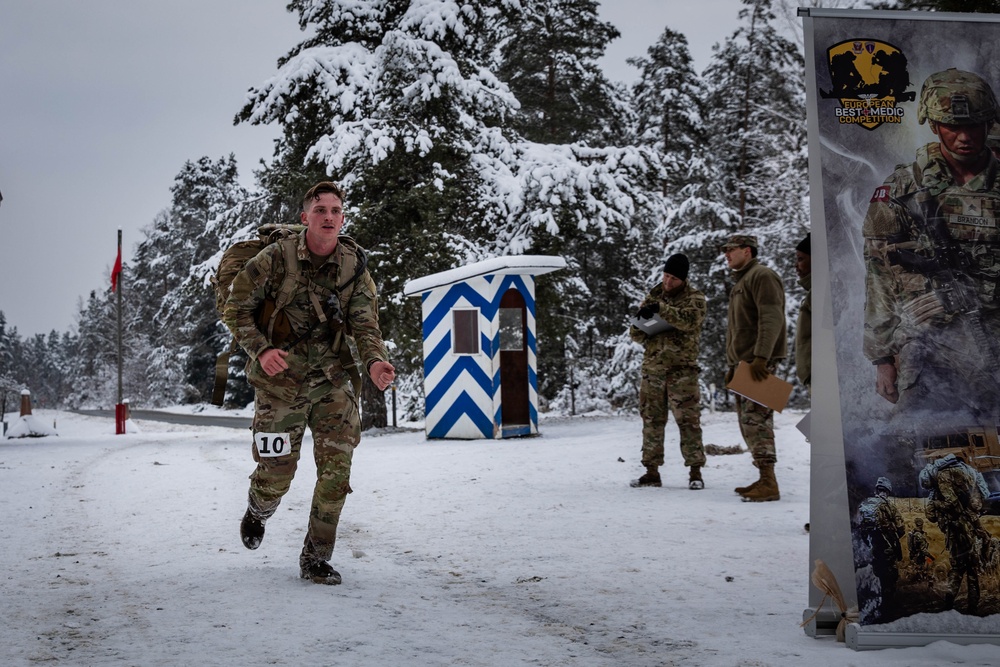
{"points": [[670, 372]]}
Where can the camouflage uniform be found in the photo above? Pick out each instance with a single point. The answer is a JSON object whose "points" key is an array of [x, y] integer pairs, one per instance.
{"points": [[932, 258], [670, 375], [316, 389], [918, 548], [881, 527], [957, 493], [756, 328]]}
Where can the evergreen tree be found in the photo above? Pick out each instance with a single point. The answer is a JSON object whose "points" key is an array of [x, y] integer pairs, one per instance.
{"points": [[757, 162], [549, 57], [162, 289], [92, 376], [669, 120]]}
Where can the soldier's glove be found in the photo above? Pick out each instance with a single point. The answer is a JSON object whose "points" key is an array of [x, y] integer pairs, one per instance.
{"points": [[758, 369], [923, 308], [729, 374], [647, 312]]}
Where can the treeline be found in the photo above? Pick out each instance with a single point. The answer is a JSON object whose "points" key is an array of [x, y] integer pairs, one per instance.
{"points": [[463, 131]]}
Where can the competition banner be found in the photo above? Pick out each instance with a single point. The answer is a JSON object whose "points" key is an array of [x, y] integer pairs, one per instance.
{"points": [[903, 120]]}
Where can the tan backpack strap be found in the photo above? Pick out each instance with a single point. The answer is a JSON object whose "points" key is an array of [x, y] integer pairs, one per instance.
{"points": [[222, 374]]}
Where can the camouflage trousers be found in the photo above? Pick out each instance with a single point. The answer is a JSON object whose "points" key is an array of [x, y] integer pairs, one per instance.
{"points": [[757, 427], [674, 391], [332, 416]]}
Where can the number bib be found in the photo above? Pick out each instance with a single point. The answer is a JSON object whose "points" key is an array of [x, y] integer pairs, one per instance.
{"points": [[270, 445]]}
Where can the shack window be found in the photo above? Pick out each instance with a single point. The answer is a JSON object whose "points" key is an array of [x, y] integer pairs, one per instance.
{"points": [[465, 331], [511, 329]]}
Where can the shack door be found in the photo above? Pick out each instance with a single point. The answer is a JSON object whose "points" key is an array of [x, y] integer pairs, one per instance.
{"points": [[515, 416]]}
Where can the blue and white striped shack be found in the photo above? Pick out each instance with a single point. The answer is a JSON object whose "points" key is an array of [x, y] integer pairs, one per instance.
{"points": [[480, 365]]}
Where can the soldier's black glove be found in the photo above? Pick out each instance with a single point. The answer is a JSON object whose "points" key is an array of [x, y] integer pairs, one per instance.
{"points": [[647, 312], [729, 374]]}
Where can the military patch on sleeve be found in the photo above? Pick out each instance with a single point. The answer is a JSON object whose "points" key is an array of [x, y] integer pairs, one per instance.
{"points": [[881, 194]]}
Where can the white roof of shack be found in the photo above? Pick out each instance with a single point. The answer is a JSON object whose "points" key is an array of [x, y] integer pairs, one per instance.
{"points": [[534, 265]]}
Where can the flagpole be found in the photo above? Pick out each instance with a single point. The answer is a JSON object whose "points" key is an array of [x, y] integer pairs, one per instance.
{"points": [[120, 406]]}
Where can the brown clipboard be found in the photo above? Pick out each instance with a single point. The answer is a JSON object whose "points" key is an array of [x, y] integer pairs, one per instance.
{"points": [[771, 392]]}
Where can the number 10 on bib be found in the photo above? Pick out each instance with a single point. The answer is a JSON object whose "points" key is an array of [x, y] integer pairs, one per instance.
{"points": [[272, 444]]}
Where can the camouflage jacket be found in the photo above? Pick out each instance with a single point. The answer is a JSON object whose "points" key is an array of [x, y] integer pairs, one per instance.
{"points": [[900, 301], [755, 324], [678, 346], [883, 524], [803, 335], [262, 277]]}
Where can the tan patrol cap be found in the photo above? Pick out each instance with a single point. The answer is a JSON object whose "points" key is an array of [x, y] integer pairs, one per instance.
{"points": [[739, 241]]}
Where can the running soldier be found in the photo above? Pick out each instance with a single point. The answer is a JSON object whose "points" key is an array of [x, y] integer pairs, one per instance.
{"points": [[670, 372], [300, 373]]}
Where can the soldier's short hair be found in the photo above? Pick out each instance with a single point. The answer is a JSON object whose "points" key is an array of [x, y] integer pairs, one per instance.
{"points": [[322, 188]]}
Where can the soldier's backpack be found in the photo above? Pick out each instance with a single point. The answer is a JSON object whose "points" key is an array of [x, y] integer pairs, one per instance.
{"points": [[270, 317]]}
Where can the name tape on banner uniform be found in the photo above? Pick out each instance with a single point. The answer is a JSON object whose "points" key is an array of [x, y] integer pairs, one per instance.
{"points": [[270, 445]]}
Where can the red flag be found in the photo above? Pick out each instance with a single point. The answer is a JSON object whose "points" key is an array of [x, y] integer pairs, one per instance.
{"points": [[116, 270]]}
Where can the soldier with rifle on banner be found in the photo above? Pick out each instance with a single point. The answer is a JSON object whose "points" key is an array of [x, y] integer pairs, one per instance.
{"points": [[932, 258]]}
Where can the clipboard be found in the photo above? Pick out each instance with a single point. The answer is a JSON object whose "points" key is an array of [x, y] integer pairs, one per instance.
{"points": [[772, 392], [651, 325]]}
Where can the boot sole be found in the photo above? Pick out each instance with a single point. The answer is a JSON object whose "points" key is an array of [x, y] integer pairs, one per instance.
{"points": [[637, 485], [766, 499], [328, 581]]}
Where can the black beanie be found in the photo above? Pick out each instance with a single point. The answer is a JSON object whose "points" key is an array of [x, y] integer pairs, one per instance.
{"points": [[677, 266], [804, 245]]}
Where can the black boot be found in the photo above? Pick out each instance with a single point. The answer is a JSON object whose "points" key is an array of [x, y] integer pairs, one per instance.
{"points": [[251, 530], [317, 571], [651, 478], [694, 478]]}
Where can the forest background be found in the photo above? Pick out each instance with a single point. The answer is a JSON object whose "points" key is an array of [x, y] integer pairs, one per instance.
{"points": [[464, 131]]}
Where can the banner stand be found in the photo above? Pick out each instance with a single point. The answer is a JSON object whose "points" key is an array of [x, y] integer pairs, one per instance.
{"points": [[830, 532], [860, 639]]}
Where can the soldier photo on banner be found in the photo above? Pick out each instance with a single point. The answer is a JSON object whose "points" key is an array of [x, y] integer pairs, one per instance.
{"points": [[911, 200]]}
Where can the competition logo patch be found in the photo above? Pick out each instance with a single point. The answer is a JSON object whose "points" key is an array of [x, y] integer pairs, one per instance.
{"points": [[870, 80]]}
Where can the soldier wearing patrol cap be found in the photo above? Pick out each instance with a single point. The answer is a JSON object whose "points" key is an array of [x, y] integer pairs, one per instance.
{"points": [[932, 258], [755, 333]]}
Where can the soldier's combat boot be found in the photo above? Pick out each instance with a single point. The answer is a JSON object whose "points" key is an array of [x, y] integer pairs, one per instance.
{"points": [[766, 488], [745, 489], [251, 530], [317, 571], [651, 478], [694, 478]]}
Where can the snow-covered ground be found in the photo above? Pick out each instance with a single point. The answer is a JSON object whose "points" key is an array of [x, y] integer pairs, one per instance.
{"points": [[125, 550]]}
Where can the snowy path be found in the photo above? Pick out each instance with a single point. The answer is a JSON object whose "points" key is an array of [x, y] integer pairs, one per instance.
{"points": [[125, 551]]}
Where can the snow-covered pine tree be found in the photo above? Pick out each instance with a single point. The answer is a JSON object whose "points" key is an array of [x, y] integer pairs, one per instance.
{"points": [[181, 356], [755, 172], [549, 58], [92, 373], [668, 101], [395, 101], [584, 189]]}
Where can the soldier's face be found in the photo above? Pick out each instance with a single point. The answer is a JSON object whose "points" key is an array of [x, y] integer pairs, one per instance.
{"points": [[325, 216], [962, 141], [671, 283], [803, 264], [737, 258]]}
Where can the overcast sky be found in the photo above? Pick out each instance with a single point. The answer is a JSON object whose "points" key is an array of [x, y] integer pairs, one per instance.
{"points": [[102, 102]]}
